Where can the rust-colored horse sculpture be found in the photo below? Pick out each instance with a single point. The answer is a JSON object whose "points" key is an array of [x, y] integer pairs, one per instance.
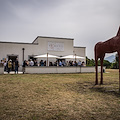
{"points": [[109, 46]]}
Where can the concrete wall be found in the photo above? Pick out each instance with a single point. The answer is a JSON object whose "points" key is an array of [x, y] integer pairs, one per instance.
{"points": [[12, 49], [43, 43], [80, 51], [1, 70], [61, 69]]}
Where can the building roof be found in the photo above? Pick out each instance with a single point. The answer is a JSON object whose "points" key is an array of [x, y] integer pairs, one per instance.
{"points": [[52, 38], [35, 40], [78, 47], [18, 43]]}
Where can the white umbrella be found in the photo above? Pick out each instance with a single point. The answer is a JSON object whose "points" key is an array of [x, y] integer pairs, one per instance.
{"points": [[46, 56], [73, 57]]}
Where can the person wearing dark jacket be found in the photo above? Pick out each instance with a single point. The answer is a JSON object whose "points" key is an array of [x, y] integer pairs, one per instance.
{"points": [[16, 65], [24, 65]]}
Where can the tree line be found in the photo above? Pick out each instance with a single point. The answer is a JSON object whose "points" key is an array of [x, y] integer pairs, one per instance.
{"points": [[113, 65]]}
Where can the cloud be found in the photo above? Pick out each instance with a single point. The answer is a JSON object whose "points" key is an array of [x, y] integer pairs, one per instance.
{"points": [[87, 21]]}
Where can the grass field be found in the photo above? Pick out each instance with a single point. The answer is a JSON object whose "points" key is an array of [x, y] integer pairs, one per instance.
{"points": [[59, 97]]}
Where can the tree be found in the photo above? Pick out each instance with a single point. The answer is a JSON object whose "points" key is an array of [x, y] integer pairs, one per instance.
{"points": [[115, 65], [91, 62], [107, 63]]}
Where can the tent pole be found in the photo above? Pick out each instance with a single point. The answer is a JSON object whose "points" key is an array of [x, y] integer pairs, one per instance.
{"points": [[47, 59], [75, 57]]}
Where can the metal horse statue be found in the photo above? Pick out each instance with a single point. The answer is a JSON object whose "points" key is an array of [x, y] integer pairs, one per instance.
{"points": [[109, 46]]}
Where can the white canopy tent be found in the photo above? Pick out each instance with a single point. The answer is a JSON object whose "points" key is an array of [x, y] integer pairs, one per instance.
{"points": [[73, 57], [54, 56], [46, 56]]}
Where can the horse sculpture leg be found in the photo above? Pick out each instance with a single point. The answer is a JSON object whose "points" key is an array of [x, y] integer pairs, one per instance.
{"points": [[101, 59], [119, 70], [96, 67]]}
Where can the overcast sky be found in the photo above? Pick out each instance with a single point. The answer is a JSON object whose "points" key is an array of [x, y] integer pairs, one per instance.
{"points": [[87, 21]]}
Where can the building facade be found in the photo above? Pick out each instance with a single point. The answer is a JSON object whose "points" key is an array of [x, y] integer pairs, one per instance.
{"points": [[41, 45]]}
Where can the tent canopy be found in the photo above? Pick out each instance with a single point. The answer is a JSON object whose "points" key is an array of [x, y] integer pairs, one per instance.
{"points": [[73, 57], [64, 57], [46, 55]]}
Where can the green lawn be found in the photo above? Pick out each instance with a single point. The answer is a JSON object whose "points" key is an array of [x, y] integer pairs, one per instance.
{"points": [[59, 97]]}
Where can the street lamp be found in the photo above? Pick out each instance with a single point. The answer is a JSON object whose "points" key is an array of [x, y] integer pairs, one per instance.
{"points": [[23, 53]]}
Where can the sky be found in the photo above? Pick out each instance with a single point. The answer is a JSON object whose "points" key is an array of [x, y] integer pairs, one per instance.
{"points": [[86, 21]]}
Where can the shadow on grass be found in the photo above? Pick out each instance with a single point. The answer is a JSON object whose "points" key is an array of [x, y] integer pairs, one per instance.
{"points": [[88, 87], [79, 87], [108, 90]]}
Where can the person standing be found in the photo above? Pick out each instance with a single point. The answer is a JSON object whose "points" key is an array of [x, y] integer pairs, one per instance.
{"points": [[16, 65], [31, 62], [1, 63], [24, 65], [9, 65], [79, 63], [67, 63], [5, 66], [60, 63]]}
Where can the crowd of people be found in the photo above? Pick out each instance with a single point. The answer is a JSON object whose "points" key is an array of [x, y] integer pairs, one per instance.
{"points": [[71, 63], [10, 65], [56, 63]]}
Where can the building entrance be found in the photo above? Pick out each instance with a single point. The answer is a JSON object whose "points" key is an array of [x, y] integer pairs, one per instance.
{"points": [[13, 58]]}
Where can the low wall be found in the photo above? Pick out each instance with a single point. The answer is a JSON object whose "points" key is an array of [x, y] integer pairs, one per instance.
{"points": [[1, 70], [61, 69]]}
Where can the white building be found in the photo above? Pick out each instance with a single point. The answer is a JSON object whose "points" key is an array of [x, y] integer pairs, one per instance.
{"points": [[41, 45]]}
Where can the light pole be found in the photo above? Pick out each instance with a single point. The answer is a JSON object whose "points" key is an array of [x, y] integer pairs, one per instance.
{"points": [[23, 53]]}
